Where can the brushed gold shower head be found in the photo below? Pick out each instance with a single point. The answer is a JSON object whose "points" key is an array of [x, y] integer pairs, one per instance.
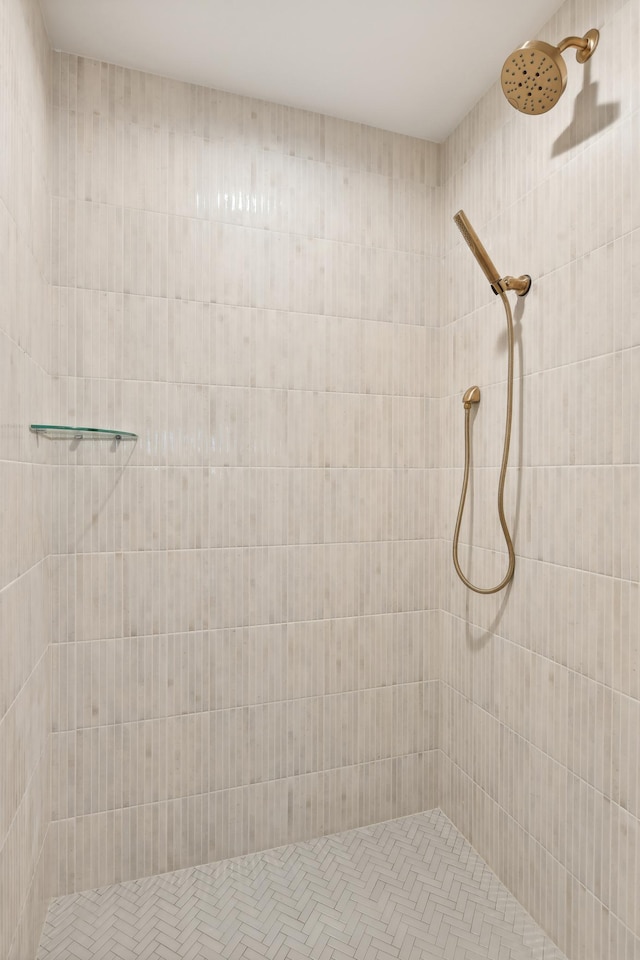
{"points": [[534, 76]]}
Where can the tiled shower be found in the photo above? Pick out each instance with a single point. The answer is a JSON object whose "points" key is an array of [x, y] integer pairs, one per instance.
{"points": [[244, 629]]}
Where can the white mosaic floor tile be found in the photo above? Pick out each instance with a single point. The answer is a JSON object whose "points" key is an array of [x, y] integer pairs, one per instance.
{"points": [[412, 889]]}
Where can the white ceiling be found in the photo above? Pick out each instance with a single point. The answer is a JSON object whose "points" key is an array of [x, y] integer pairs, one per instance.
{"points": [[411, 66]]}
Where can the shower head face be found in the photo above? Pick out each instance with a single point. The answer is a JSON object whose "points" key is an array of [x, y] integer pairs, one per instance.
{"points": [[534, 77]]}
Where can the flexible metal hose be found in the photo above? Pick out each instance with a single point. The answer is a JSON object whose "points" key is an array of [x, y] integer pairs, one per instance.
{"points": [[503, 471]]}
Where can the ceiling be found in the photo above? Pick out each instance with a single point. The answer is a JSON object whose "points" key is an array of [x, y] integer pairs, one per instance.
{"points": [[411, 66]]}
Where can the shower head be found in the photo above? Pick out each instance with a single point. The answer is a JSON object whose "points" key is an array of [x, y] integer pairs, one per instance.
{"points": [[535, 75], [499, 284]]}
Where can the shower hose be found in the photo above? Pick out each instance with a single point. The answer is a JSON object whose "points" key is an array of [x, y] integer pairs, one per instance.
{"points": [[503, 470]]}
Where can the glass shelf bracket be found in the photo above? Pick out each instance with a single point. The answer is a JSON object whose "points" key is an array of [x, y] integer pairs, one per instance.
{"points": [[58, 432]]}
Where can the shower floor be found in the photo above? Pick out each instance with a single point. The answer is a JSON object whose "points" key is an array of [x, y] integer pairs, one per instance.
{"points": [[410, 888]]}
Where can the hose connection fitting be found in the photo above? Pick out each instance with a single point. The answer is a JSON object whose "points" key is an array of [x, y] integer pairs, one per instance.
{"points": [[472, 395]]}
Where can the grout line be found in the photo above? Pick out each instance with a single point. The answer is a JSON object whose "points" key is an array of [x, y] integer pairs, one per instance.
{"points": [[214, 549], [324, 468], [537, 842], [494, 134], [533, 466], [248, 143], [25, 573], [13, 702], [286, 311], [562, 266], [609, 355], [283, 623], [614, 691], [27, 786], [248, 786], [530, 744], [254, 626], [390, 688], [45, 906], [198, 384], [524, 558], [80, 202]]}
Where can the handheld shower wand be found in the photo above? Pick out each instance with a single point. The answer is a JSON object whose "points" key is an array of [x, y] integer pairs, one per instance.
{"points": [[500, 286]]}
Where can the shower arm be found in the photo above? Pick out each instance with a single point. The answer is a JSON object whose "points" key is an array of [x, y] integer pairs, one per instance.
{"points": [[584, 45]]}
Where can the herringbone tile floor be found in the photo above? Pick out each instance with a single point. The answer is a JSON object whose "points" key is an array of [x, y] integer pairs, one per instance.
{"points": [[412, 889]]}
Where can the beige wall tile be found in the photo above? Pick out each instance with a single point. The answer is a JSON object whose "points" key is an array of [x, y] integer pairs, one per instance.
{"points": [[245, 286], [540, 686], [25, 476]]}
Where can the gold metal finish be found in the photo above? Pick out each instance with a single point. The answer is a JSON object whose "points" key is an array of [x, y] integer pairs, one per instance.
{"points": [[503, 471], [534, 76], [500, 286], [472, 395], [477, 249], [521, 285], [585, 45]]}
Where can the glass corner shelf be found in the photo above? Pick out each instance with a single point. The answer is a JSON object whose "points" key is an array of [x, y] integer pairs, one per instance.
{"points": [[57, 432]]}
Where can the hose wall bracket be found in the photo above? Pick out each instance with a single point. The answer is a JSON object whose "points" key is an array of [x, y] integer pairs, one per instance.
{"points": [[520, 285]]}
